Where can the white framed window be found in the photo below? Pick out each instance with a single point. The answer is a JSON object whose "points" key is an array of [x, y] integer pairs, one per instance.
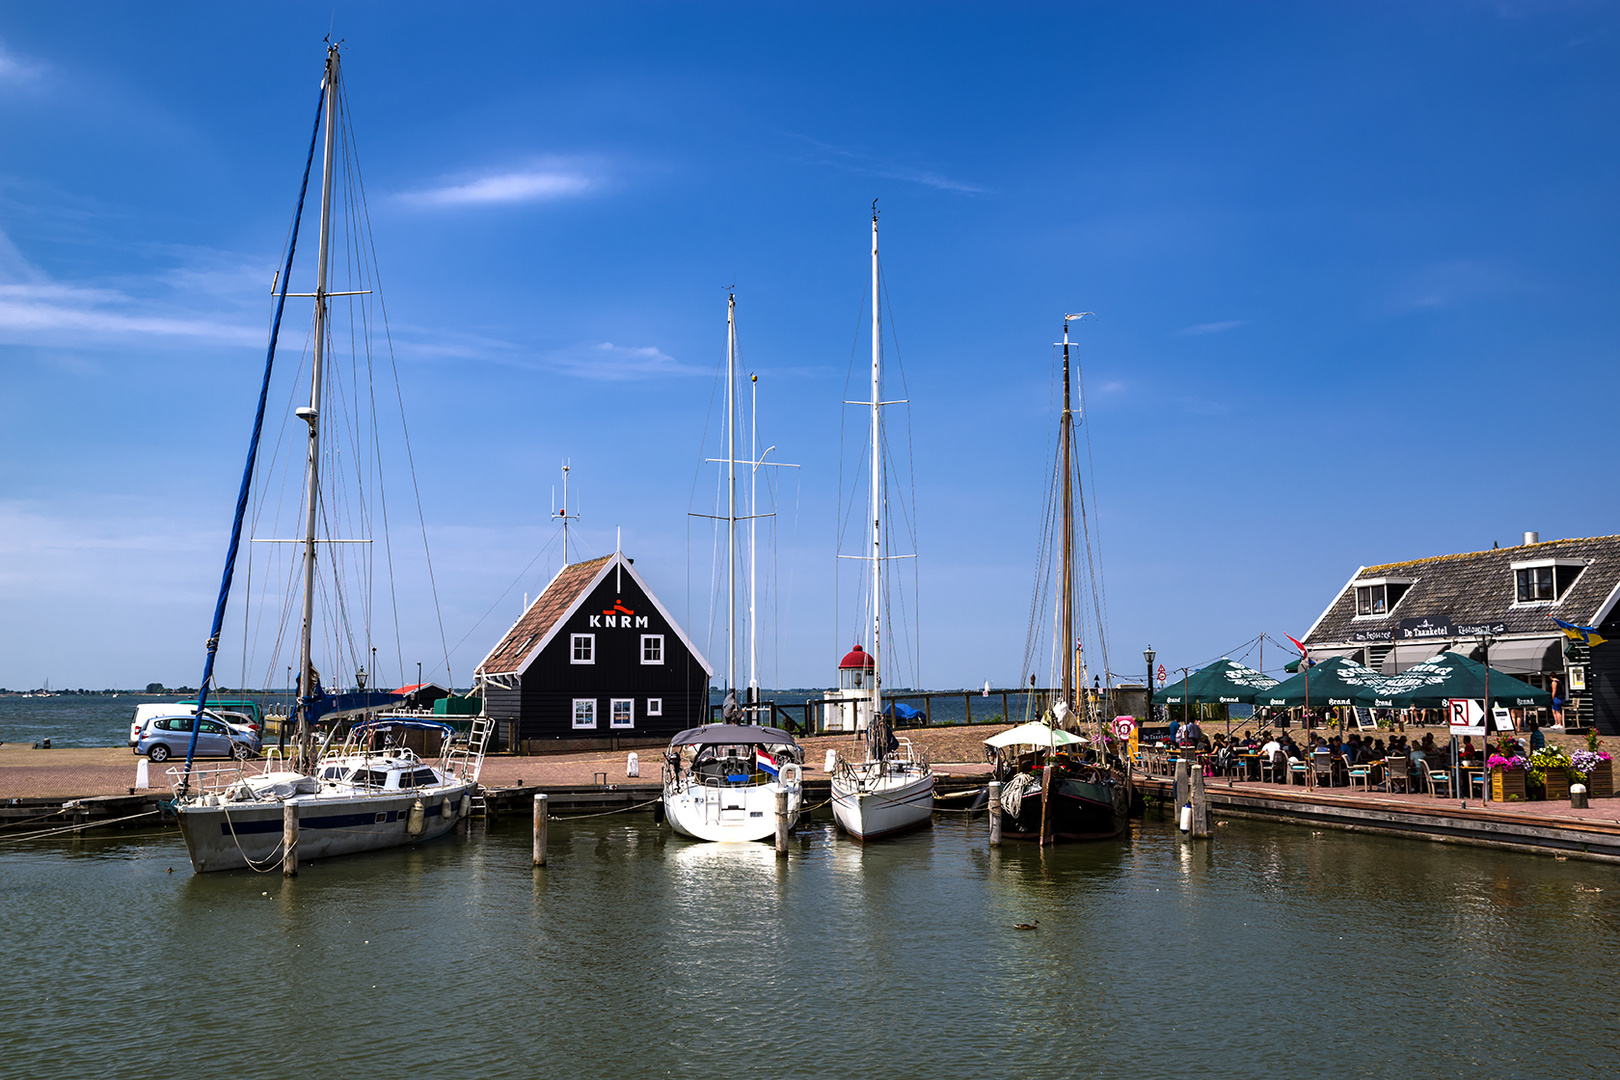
{"points": [[582, 648], [584, 712], [655, 706], [652, 648], [1378, 598], [1541, 581], [623, 714]]}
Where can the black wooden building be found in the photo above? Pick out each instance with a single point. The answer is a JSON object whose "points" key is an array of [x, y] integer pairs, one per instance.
{"points": [[595, 657]]}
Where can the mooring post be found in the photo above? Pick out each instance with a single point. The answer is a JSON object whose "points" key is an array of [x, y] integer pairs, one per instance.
{"points": [[781, 824], [1048, 820], [1200, 804], [541, 812], [995, 813], [289, 839], [1181, 792]]}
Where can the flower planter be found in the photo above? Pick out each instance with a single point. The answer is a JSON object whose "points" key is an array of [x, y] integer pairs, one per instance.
{"points": [[1507, 784], [1557, 785], [1600, 781]]}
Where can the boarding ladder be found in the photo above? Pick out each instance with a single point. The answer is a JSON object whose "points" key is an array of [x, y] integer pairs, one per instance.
{"points": [[465, 758]]}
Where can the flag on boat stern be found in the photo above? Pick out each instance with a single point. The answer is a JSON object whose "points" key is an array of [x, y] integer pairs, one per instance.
{"points": [[763, 759]]}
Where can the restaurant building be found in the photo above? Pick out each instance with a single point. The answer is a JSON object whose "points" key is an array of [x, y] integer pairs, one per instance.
{"points": [[595, 660], [1392, 616]]}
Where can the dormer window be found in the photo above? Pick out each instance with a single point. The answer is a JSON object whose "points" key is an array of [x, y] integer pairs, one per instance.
{"points": [[1542, 582], [1375, 599]]}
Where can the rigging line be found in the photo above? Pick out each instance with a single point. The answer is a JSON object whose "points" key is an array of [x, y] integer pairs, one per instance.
{"points": [[410, 457], [1099, 582], [243, 495], [556, 533], [840, 523]]}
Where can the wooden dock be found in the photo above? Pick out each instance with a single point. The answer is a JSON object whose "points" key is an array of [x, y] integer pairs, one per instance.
{"points": [[1547, 828]]}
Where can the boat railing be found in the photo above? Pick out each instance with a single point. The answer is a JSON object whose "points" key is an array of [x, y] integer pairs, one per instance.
{"points": [[215, 781]]}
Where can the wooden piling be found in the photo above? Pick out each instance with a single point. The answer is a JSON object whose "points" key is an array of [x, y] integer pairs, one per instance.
{"points": [[995, 813], [1200, 805], [1048, 820], [289, 839], [1182, 790], [541, 815], [781, 824]]}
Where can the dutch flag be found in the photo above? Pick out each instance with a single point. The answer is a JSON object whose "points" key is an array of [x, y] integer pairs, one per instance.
{"points": [[763, 759]]}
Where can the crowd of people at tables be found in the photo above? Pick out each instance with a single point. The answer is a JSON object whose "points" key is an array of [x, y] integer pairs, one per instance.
{"points": [[1238, 753]]}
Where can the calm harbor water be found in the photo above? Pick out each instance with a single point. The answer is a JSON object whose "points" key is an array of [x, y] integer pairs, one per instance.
{"points": [[1272, 951]]}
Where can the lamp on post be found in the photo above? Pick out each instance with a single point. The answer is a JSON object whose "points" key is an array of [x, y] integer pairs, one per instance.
{"points": [[360, 678], [1147, 709]]}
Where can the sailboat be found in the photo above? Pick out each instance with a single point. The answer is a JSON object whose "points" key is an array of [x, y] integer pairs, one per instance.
{"points": [[721, 780], [891, 790], [1056, 784], [357, 796]]}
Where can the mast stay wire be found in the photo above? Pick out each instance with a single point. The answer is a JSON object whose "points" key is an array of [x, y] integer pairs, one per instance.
{"points": [[369, 237]]}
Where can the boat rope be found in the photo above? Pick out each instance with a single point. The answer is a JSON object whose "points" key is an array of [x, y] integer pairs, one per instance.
{"points": [[620, 810], [1012, 796], [75, 828], [253, 453]]}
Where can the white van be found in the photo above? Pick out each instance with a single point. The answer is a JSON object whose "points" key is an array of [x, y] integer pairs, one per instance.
{"points": [[241, 723]]}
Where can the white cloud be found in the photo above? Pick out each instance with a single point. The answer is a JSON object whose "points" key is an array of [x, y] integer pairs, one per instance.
{"points": [[1198, 329], [60, 315], [34, 310], [838, 157], [16, 69], [495, 189], [611, 362]]}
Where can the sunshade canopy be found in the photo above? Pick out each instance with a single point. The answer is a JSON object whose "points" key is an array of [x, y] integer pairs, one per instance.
{"points": [[732, 735], [1336, 681], [1453, 675], [1225, 682], [1033, 733]]}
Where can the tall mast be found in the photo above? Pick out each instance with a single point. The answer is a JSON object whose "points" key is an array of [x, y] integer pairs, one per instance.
{"points": [[1066, 468], [1066, 589], [877, 749], [753, 519], [731, 491], [311, 415]]}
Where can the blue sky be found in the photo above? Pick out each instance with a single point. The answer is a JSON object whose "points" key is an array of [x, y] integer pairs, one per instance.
{"points": [[1354, 268]]}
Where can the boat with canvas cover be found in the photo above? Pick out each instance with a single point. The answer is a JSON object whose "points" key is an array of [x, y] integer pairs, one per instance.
{"points": [[721, 781]]}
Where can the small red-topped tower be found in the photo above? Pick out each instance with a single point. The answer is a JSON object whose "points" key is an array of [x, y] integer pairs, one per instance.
{"points": [[848, 707]]}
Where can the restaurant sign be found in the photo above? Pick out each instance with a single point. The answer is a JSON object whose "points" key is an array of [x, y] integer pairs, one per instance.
{"points": [[1363, 636], [1480, 629], [1424, 627]]}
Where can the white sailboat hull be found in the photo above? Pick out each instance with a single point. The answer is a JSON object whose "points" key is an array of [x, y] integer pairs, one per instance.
{"points": [[224, 835], [882, 798], [727, 813]]}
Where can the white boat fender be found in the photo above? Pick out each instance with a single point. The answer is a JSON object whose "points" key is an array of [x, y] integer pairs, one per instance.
{"points": [[447, 809], [1186, 818], [831, 762], [466, 805], [632, 766], [417, 820]]}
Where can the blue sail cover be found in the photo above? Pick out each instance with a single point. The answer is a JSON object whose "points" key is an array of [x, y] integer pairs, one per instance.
{"points": [[354, 701], [903, 713]]}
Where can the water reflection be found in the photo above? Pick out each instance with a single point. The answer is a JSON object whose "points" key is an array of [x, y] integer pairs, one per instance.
{"points": [[635, 952]]}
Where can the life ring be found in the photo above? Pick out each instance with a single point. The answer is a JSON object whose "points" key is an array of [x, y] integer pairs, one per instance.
{"points": [[1123, 726]]}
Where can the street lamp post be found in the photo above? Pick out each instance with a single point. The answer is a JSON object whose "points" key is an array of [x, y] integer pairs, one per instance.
{"points": [[1147, 709]]}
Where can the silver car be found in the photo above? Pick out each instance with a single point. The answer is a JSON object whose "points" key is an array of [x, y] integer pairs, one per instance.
{"points": [[165, 736]]}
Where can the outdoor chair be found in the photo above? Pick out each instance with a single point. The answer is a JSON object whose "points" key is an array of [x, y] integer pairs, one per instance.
{"points": [[1395, 775], [1322, 767], [1435, 781], [1299, 769], [1360, 774], [1274, 768]]}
